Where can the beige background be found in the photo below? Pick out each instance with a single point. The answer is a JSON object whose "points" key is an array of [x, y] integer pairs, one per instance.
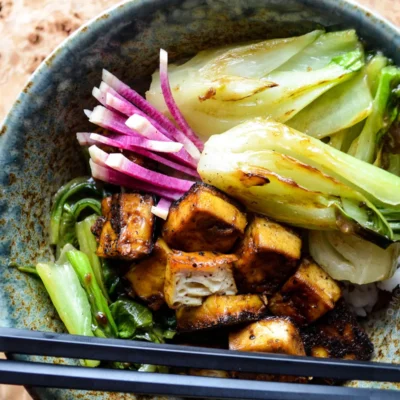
{"points": [[30, 29]]}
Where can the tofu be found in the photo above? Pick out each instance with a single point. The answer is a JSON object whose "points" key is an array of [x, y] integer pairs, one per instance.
{"points": [[307, 295], [270, 335], [267, 256], [205, 219], [212, 373], [218, 311], [147, 277], [191, 277], [127, 231], [338, 335]]}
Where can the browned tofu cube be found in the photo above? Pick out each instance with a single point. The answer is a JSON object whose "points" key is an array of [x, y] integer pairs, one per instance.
{"points": [[270, 335], [267, 256], [148, 276], [218, 311], [307, 295], [127, 231], [190, 277], [212, 373], [205, 219], [338, 335]]}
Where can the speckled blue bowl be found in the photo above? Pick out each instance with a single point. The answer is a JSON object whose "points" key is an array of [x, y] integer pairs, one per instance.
{"points": [[38, 150]]}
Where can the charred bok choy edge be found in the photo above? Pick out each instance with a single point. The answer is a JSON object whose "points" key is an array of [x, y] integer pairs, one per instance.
{"points": [[302, 181]]}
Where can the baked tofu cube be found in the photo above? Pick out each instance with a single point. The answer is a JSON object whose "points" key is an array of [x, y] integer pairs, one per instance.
{"points": [[270, 335], [148, 276], [338, 335], [205, 219], [127, 232], [218, 311], [190, 277], [268, 255], [307, 295]]}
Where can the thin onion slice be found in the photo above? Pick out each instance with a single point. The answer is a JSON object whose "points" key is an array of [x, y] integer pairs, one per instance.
{"points": [[161, 210], [170, 102], [113, 177], [131, 95], [84, 138], [120, 163], [131, 143]]}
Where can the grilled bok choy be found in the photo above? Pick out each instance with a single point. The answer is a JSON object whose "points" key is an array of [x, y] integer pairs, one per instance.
{"points": [[294, 178], [223, 87]]}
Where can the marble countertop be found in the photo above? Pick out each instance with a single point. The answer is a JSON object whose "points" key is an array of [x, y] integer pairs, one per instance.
{"points": [[31, 29]]}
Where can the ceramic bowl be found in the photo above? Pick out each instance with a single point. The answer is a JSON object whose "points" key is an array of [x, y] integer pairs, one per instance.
{"points": [[38, 149]]}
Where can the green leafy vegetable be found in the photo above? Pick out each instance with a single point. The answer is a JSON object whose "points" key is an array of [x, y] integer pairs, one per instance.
{"points": [[28, 269], [297, 179], [130, 316], [366, 146], [221, 88], [67, 296], [75, 186], [101, 314], [350, 258], [88, 245]]}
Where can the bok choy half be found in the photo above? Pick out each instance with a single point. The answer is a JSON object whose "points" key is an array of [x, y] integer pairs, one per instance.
{"points": [[297, 179], [221, 88]]}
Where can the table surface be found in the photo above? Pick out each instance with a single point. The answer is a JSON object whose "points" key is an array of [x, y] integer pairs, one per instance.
{"points": [[31, 29]]}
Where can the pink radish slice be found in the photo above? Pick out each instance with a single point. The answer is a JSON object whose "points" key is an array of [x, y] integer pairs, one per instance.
{"points": [[84, 138]]}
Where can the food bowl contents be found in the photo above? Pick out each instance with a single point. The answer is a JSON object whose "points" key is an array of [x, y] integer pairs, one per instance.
{"points": [[236, 203]]}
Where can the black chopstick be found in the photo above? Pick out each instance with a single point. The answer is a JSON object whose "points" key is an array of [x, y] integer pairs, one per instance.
{"points": [[64, 345], [68, 377]]}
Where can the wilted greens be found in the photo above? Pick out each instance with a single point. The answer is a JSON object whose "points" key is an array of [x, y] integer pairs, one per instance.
{"points": [[297, 179]]}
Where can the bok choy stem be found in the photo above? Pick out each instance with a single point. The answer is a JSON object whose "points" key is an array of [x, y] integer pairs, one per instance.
{"points": [[88, 245], [100, 311], [68, 297]]}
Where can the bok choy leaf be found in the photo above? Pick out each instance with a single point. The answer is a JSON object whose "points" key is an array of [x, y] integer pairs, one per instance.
{"points": [[221, 88], [297, 179], [68, 296]]}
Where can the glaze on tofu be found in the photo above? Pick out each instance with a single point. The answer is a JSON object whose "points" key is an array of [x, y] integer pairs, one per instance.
{"points": [[307, 295], [270, 335], [127, 230], [338, 335], [218, 311], [205, 219], [148, 276], [190, 277], [267, 256]]}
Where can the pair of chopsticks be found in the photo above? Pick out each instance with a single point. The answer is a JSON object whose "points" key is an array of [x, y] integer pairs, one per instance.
{"points": [[71, 346]]}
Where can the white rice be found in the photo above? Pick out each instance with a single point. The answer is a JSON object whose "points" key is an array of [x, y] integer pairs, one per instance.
{"points": [[362, 298]]}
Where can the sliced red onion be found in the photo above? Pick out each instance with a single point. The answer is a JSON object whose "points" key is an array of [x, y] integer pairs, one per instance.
{"points": [[121, 105], [171, 104], [131, 95], [162, 208], [110, 120], [162, 160], [88, 113], [109, 175], [120, 163], [129, 142], [104, 88], [84, 138], [98, 155]]}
